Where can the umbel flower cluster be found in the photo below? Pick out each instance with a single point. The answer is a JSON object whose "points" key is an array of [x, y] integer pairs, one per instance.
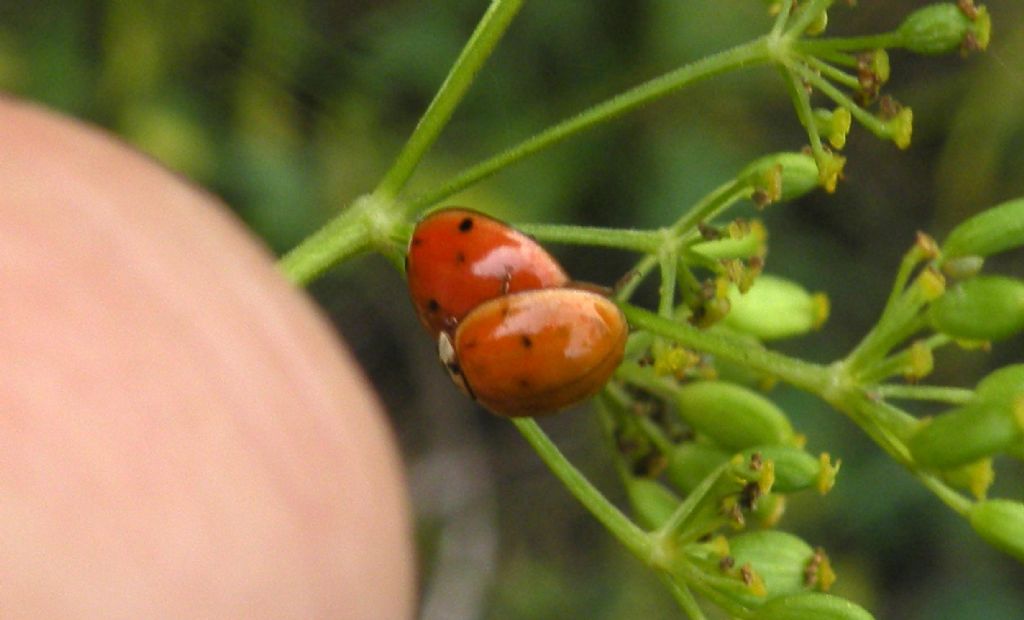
{"points": [[706, 458]]}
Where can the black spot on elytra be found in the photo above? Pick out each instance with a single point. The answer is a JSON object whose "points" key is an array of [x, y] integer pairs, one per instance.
{"points": [[466, 225], [432, 305], [460, 257], [527, 342], [417, 241], [523, 382]]}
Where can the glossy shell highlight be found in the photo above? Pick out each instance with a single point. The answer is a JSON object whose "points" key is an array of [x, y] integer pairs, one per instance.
{"points": [[459, 259], [539, 351]]}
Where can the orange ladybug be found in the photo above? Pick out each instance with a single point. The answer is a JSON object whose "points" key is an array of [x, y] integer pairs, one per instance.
{"points": [[535, 352], [459, 258]]}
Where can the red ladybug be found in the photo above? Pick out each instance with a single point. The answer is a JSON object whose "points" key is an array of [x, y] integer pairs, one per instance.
{"points": [[459, 258], [535, 352]]}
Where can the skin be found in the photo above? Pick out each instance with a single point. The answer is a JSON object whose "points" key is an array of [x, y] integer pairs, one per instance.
{"points": [[181, 434]]}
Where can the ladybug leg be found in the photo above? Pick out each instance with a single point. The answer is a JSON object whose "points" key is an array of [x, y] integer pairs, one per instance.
{"points": [[450, 323], [446, 353]]}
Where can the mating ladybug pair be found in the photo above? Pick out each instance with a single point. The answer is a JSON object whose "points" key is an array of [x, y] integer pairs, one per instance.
{"points": [[513, 331]]}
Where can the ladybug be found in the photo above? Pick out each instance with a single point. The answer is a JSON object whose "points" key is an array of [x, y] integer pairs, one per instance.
{"points": [[535, 352], [459, 258]]}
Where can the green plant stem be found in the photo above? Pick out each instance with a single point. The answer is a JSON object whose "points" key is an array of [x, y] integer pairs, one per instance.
{"points": [[823, 47], [347, 235], [781, 18], [805, 15], [712, 204], [805, 375], [910, 261], [898, 363], [697, 579], [943, 394], [642, 241], [749, 54], [634, 538], [685, 598], [645, 377], [843, 59], [957, 502], [476, 51], [802, 105], [744, 247], [832, 73], [868, 120], [668, 262], [666, 537], [898, 321]]}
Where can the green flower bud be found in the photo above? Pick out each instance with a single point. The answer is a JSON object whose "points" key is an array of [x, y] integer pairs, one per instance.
{"points": [[776, 308], [817, 25], [960, 436], [833, 125], [748, 242], [944, 28], [810, 606], [992, 231], [830, 170], [734, 417], [963, 267], [982, 308], [1001, 523], [901, 127], [1003, 384], [769, 510], [796, 469], [781, 559], [877, 62], [691, 462], [976, 477], [652, 502], [799, 175]]}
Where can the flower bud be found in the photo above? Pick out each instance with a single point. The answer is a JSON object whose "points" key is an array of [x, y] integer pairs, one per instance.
{"points": [[1002, 384], [769, 510], [976, 477], [943, 28], [652, 503], [817, 25], [982, 308], [960, 436], [776, 308], [690, 462], [992, 231], [734, 417], [742, 242], [799, 174], [1001, 523], [833, 125], [830, 170], [900, 127], [810, 606], [780, 558], [963, 267], [795, 468]]}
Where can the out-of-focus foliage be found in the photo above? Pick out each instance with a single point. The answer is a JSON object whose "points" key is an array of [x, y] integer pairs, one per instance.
{"points": [[288, 110]]}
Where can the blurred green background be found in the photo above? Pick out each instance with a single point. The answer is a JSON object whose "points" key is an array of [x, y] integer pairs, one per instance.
{"points": [[289, 110]]}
